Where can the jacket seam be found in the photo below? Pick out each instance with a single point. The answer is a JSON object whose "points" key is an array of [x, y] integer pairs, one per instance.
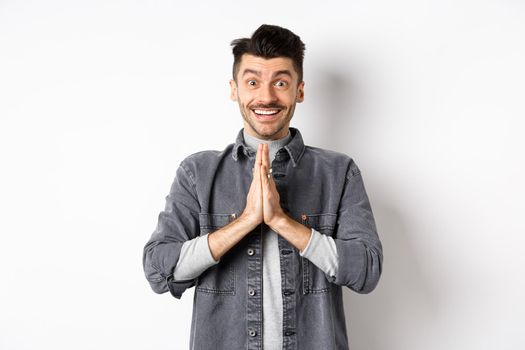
{"points": [[354, 174], [190, 175], [157, 270]]}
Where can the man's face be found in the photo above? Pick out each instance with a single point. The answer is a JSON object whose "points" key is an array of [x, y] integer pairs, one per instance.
{"points": [[267, 91]]}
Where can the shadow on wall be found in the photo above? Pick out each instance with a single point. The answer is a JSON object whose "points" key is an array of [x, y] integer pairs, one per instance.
{"points": [[403, 297], [336, 100]]}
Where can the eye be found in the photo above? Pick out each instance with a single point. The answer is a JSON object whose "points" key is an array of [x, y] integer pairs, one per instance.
{"points": [[281, 83], [251, 82]]}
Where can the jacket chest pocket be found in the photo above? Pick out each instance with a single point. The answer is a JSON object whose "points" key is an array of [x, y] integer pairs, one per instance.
{"points": [[314, 279], [219, 278]]}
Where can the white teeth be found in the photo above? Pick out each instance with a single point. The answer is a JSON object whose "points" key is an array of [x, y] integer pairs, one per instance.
{"points": [[265, 112]]}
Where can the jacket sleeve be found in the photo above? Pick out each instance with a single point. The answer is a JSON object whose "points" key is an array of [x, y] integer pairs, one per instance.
{"points": [[358, 246], [177, 223]]}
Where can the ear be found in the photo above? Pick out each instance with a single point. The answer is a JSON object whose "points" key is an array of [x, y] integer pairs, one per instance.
{"points": [[300, 92], [233, 90]]}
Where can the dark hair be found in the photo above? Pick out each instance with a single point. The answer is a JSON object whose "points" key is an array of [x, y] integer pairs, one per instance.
{"points": [[270, 41]]}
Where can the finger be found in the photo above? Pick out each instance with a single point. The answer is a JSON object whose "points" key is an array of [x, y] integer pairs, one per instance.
{"points": [[257, 164], [263, 154], [272, 185], [264, 177], [269, 166], [258, 156], [257, 176], [268, 179], [267, 155]]}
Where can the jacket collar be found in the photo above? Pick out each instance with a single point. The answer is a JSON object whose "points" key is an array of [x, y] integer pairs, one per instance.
{"points": [[295, 147]]}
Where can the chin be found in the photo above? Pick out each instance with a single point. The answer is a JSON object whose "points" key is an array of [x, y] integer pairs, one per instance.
{"points": [[269, 133]]}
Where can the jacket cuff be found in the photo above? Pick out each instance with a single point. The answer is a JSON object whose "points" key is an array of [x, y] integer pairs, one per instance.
{"points": [[359, 266], [177, 288]]}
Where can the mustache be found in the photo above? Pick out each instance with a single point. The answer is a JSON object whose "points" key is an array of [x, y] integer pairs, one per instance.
{"points": [[268, 106]]}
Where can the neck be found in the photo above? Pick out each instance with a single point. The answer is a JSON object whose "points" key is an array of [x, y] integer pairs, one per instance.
{"points": [[273, 145]]}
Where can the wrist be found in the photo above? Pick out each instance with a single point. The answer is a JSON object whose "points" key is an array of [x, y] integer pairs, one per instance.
{"points": [[250, 221], [279, 222]]}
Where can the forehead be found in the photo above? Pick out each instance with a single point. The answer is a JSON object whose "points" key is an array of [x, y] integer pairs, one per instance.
{"points": [[266, 67]]}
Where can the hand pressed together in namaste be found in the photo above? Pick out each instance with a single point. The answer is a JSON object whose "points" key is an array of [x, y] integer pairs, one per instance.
{"points": [[263, 201]]}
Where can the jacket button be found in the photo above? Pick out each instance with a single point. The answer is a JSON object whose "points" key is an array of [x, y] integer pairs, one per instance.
{"points": [[251, 292], [285, 251], [252, 333], [288, 292], [251, 251], [288, 333]]}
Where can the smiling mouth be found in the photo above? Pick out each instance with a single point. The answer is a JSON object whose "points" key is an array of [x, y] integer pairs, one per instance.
{"points": [[266, 112]]}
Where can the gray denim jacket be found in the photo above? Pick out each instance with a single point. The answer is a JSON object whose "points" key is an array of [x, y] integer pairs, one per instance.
{"points": [[319, 188]]}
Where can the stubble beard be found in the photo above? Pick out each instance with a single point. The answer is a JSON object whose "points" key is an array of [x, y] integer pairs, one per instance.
{"points": [[282, 123]]}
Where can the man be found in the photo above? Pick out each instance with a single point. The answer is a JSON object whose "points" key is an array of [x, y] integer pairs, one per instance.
{"points": [[269, 229]]}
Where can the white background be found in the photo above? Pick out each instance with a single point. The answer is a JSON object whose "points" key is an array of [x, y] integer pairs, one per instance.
{"points": [[101, 100]]}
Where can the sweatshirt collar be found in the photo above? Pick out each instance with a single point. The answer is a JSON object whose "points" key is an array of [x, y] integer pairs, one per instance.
{"points": [[295, 147]]}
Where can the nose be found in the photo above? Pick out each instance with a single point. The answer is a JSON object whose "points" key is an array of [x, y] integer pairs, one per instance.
{"points": [[267, 94]]}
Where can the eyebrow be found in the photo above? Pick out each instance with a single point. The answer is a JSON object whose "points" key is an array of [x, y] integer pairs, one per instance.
{"points": [[258, 73]]}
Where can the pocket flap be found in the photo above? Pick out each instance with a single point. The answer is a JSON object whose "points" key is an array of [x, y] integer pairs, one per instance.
{"points": [[320, 221], [214, 221]]}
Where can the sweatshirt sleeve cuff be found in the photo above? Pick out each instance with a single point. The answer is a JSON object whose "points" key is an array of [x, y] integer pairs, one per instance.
{"points": [[306, 249], [194, 259], [321, 250], [208, 250]]}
